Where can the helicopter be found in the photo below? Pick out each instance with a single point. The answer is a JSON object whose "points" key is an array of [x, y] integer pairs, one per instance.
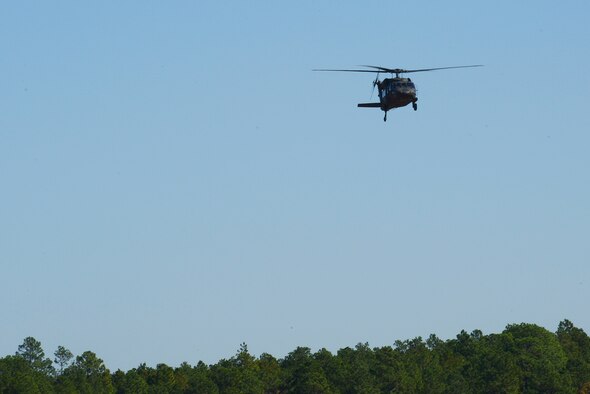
{"points": [[394, 92]]}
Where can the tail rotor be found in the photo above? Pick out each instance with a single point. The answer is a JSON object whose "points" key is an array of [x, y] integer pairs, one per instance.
{"points": [[375, 83]]}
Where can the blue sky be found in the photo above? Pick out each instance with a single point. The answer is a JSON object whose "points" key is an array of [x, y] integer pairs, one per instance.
{"points": [[175, 180]]}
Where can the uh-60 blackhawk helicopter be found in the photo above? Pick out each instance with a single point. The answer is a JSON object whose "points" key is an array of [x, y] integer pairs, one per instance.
{"points": [[394, 92]]}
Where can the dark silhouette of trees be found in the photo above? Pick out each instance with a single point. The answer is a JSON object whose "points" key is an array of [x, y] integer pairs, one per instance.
{"points": [[576, 345], [524, 358], [62, 358], [32, 352]]}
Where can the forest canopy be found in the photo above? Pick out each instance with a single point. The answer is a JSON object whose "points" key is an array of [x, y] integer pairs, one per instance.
{"points": [[524, 358]]}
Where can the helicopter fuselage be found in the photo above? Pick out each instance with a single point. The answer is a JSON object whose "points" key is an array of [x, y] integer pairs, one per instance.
{"points": [[396, 92]]}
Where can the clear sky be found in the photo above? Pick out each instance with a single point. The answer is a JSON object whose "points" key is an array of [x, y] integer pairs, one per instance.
{"points": [[175, 180]]}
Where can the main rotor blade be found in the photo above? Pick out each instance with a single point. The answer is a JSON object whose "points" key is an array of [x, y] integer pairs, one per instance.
{"points": [[385, 69], [379, 69], [402, 71], [439, 68], [353, 71]]}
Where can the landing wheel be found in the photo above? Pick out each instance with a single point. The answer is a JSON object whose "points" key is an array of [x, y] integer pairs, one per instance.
{"points": [[415, 106], [385, 117]]}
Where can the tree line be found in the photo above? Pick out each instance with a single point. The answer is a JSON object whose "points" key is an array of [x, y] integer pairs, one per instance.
{"points": [[524, 358]]}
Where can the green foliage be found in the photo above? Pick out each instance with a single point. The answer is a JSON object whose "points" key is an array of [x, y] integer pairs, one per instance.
{"points": [[200, 380], [576, 345], [88, 374], [303, 374], [18, 376], [62, 358], [356, 365], [239, 374], [494, 367], [269, 372], [540, 358], [32, 352], [524, 358]]}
